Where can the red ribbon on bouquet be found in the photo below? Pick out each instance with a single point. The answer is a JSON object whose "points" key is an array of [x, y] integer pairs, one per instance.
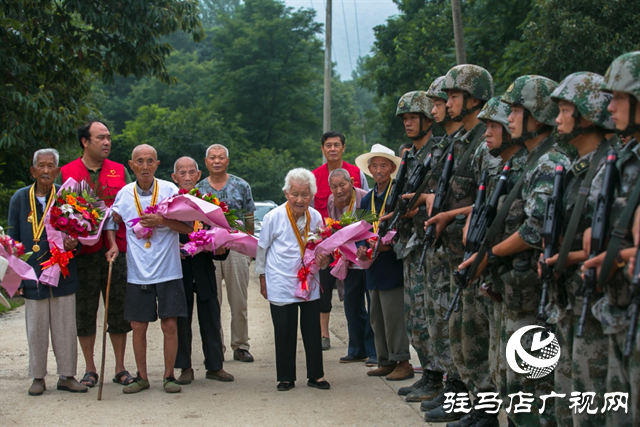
{"points": [[61, 259]]}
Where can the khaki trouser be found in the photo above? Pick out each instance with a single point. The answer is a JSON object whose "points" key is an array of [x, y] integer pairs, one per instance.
{"points": [[235, 272], [58, 316]]}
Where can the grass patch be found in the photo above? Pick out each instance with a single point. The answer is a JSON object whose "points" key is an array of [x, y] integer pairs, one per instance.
{"points": [[15, 302]]}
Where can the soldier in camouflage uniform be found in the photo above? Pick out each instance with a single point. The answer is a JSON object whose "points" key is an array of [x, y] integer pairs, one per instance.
{"points": [[623, 80], [531, 121], [582, 122], [439, 111], [468, 88], [414, 108]]}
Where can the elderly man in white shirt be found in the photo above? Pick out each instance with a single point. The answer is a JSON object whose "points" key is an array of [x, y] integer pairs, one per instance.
{"points": [[279, 260], [154, 272]]}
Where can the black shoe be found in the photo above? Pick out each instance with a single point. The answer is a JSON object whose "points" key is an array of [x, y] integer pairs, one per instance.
{"points": [[430, 388], [439, 415], [403, 391], [477, 419], [285, 385], [322, 385], [450, 386], [242, 355]]}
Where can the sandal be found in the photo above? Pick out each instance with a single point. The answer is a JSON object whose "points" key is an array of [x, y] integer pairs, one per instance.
{"points": [[123, 378], [90, 379]]}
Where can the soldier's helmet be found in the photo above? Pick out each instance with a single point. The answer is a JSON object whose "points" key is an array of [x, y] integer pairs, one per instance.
{"points": [[583, 89], [469, 78], [435, 90], [415, 102], [533, 93], [623, 75], [496, 111]]}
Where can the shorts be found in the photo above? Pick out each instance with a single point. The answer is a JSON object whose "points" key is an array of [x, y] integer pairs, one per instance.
{"points": [[93, 270], [327, 283], [147, 303]]}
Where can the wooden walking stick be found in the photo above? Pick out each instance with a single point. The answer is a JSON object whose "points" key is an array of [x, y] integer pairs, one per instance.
{"points": [[104, 329]]}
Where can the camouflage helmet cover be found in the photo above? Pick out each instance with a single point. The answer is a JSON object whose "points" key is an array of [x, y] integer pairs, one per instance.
{"points": [[470, 78], [496, 111], [435, 90], [533, 93], [623, 75], [415, 102], [582, 89]]}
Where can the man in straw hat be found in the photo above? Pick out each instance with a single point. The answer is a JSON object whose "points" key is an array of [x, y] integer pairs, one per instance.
{"points": [[384, 278]]}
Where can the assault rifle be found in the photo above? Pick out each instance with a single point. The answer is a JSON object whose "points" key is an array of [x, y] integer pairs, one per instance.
{"points": [[551, 235], [481, 219], [394, 195], [415, 184], [599, 227], [438, 202], [634, 307]]}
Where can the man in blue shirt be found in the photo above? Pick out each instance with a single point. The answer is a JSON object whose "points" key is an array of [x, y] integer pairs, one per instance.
{"points": [[384, 277]]}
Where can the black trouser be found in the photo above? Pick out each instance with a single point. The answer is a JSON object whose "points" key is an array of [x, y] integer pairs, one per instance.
{"points": [[209, 322], [285, 327], [327, 284]]}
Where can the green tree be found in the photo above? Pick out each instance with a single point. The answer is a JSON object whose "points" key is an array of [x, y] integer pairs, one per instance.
{"points": [[51, 52], [267, 60]]}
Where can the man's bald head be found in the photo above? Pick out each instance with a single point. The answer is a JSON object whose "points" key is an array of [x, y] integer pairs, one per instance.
{"points": [[143, 150], [186, 173], [185, 162]]}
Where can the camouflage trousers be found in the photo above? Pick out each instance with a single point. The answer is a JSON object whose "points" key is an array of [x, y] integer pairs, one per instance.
{"points": [[582, 366], [415, 318], [624, 376], [472, 330], [512, 321], [437, 297]]}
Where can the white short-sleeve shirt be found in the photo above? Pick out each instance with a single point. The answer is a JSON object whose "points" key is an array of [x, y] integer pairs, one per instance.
{"points": [[160, 262], [283, 260]]}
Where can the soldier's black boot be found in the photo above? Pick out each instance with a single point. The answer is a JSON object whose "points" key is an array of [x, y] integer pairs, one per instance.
{"points": [[403, 391], [450, 386], [430, 388], [477, 419]]}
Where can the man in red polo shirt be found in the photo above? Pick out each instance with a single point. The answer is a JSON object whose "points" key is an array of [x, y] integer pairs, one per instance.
{"points": [[333, 146], [106, 178]]}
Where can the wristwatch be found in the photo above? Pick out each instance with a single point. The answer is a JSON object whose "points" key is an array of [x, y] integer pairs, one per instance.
{"points": [[490, 256], [620, 262]]}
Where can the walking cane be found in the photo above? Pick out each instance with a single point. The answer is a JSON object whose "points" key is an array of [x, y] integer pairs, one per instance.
{"points": [[104, 330]]}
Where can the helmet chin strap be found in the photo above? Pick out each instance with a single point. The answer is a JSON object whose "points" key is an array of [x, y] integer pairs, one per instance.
{"points": [[506, 143], [632, 126], [422, 133], [526, 135], [577, 129], [465, 111]]}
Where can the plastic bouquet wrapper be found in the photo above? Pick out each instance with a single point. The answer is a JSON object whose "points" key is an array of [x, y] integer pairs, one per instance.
{"points": [[77, 213], [13, 268], [209, 240], [339, 239]]}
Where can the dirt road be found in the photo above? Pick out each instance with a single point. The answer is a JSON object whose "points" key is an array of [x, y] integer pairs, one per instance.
{"points": [[252, 399]]}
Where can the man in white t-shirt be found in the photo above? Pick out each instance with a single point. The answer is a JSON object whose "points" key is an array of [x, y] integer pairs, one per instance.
{"points": [[154, 272]]}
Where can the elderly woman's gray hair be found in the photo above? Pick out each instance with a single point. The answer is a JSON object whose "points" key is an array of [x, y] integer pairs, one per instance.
{"points": [[46, 151], [339, 172], [300, 176]]}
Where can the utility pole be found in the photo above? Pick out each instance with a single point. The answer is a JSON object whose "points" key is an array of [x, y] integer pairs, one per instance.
{"points": [[458, 34], [326, 117]]}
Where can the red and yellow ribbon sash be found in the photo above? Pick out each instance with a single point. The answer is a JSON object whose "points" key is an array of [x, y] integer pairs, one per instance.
{"points": [[38, 227], [302, 241], [154, 196], [373, 206]]}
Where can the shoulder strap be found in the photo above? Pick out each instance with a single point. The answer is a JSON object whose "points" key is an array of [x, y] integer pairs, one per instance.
{"points": [[502, 213], [471, 149], [583, 192], [617, 234]]}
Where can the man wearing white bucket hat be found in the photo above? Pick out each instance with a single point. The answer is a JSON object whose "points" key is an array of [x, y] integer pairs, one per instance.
{"points": [[384, 278]]}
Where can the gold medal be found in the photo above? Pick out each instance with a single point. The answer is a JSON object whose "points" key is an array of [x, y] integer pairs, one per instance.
{"points": [[30, 218], [36, 248], [154, 200], [147, 245]]}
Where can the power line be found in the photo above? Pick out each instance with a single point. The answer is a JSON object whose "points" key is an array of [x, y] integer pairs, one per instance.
{"points": [[346, 31], [357, 27]]}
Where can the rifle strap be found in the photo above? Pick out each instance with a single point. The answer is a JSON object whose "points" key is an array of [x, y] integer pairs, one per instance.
{"points": [[443, 145], [583, 193], [498, 221], [471, 149], [617, 234]]}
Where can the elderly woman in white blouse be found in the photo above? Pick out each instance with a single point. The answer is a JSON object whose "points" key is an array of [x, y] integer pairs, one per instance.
{"points": [[279, 259]]}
